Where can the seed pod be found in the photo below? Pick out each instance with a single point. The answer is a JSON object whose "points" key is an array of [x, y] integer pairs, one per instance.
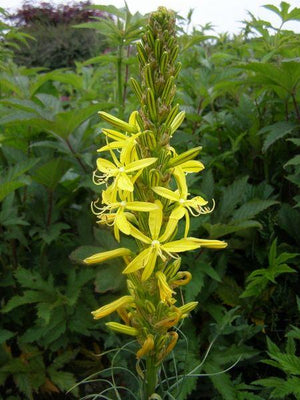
{"points": [[163, 62], [157, 49], [188, 307], [171, 269], [149, 139], [136, 88], [183, 157], [167, 89], [150, 38], [148, 76], [177, 121], [117, 122], [174, 53], [149, 306], [151, 104], [127, 330], [141, 54], [177, 69], [172, 115], [154, 177]]}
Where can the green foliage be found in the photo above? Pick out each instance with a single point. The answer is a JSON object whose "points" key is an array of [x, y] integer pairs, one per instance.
{"points": [[241, 97]]}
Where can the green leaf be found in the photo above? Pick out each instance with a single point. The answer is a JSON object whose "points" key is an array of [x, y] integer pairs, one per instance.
{"points": [[51, 173], [231, 197], [66, 122], [275, 132], [5, 335], [64, 380], [29, 297], [219, 230], [9, 187], [252, 208], [293, 161], [109, 278]]}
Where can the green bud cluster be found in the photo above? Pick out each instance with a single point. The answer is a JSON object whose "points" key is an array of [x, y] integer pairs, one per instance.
{"points": [[157, 54]]}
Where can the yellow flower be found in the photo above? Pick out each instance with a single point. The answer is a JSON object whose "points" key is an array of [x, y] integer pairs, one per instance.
{"points": [[107, 255], [119, 219], [111, 307], [183, 205], [123, 141], [120, 172], [164, 289], [156, 246], [147, 346]]}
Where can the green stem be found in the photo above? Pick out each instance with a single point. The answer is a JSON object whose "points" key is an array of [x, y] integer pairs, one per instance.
{"points": [[150, 377], [119, 79]]}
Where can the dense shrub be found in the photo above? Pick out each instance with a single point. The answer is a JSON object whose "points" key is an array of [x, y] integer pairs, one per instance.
{"points": [[56, 43]]}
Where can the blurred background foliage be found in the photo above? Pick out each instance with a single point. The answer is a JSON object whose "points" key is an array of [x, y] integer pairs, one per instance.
{"points": [[241, 96]]}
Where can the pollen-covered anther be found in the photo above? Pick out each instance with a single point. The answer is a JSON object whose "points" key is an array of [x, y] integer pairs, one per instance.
{"points": [[155, 243]]}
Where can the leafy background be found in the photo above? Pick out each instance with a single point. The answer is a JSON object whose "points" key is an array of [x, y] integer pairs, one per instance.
{"points": [[242, 101]]}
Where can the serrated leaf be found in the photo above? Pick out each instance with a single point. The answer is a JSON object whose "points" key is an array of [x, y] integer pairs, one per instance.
{"points": [[219, 230], [275, 132], [251, 209], [231, 197], [29, 297], [229, 291], [63, 380]]}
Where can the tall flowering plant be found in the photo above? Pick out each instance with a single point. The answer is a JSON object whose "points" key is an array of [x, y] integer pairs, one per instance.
{"points": [[145, 196]]}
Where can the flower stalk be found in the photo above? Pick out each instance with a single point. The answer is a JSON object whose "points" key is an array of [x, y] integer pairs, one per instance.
{"points": [[138, 201]]}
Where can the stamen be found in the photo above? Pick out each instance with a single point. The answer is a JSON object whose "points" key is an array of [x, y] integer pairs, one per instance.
{"points": [[154, 243], [123, 203], [181, 201], [121, 169]]}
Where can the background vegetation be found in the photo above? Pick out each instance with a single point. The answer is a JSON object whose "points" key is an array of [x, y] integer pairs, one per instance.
{"points": [[242, 101]]}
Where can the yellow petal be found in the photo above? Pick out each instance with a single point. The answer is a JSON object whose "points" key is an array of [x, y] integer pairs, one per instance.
{"points": [[124, 182], [181, 181], [138, 262], [139, 235], [111, 307], [187, 223], [164, 289], [150, 264], [106, 166], [122, 223], [141, 206], [107, 255], [196, 202], [192, 166], [120, 328], [115, 135], [210, 243], [113, 145], [155, 220], [166, 193], [181, 245], [172, 224], [148, 345], [135, 165], [117, 122]]}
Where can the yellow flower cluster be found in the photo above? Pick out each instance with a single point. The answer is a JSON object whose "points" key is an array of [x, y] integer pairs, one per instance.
{"points": [[138, 201]]}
